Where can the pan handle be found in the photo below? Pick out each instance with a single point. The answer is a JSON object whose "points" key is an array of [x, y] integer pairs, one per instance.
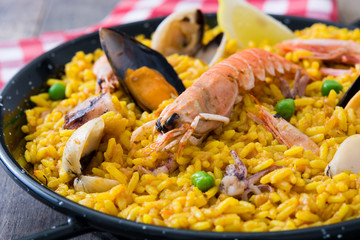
{"points": [[71, 228]]}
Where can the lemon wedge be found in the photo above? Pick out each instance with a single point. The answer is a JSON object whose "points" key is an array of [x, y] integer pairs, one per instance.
{"points": [[244, 23]]}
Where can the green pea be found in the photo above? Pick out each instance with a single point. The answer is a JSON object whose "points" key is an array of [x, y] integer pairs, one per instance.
{"points": [[330, 84], [57, 91], [202, 180], [285, 108]]}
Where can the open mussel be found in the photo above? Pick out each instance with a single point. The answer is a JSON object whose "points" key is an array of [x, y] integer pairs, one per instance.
{"points": [[350, 93], [124, 52], [150, 86], [182, 32]]}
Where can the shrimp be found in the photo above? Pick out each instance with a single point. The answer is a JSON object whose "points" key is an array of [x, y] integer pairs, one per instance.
{"points": [[106, 80], [341, 51], [336, 72], [207, 105], [283, 131]]}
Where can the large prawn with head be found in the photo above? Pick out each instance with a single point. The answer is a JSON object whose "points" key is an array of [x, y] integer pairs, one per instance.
{"points": [[208, 104]]}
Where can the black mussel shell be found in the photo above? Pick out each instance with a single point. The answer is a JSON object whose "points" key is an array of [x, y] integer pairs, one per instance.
{"points": [[124, 51], [353, 89], [208, 52]]}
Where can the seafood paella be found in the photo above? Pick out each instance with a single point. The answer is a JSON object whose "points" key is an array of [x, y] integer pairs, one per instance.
{"points": [[217, 137]]}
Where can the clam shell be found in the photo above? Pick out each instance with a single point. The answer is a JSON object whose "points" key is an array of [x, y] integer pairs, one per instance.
{"points": [[346, 157], [181, 32], [124, 52], [94, 184]]}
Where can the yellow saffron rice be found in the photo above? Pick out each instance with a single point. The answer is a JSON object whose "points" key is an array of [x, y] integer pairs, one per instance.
{"points": [[302, 196]]}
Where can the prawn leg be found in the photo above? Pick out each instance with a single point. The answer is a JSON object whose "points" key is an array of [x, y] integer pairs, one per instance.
{"points": [[194, 124], [140, 130]]}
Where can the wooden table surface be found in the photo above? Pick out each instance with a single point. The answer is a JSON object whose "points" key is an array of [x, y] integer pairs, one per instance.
{"points": [[20, 213]]}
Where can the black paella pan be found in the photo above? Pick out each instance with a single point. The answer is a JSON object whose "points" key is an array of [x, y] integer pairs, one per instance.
{"points": [[14, 99]]}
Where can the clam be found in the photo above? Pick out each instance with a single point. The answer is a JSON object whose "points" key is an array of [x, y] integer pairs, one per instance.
{"points": [[346, 157], [124, 52], [182, 32], [93, 184], [83, 141]]}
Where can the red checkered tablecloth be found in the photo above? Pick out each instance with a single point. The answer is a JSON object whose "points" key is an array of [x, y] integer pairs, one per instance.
{"points": [[15, 54]]}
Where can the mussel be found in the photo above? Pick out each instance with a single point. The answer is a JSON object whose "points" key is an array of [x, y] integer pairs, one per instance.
{"points": [[182, 32], [124, 52], [351, 98], [350, 93], [138, 81]]}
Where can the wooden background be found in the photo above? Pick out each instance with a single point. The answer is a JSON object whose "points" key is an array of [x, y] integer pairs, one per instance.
{"points": [[21, 214]]}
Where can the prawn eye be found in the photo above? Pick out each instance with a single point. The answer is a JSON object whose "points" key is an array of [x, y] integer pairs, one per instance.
{"points": [[158, 126], [171, 121], [169, 124]]}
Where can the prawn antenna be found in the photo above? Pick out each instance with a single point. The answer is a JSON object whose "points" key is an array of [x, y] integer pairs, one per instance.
{"points": [[150, 148]]}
